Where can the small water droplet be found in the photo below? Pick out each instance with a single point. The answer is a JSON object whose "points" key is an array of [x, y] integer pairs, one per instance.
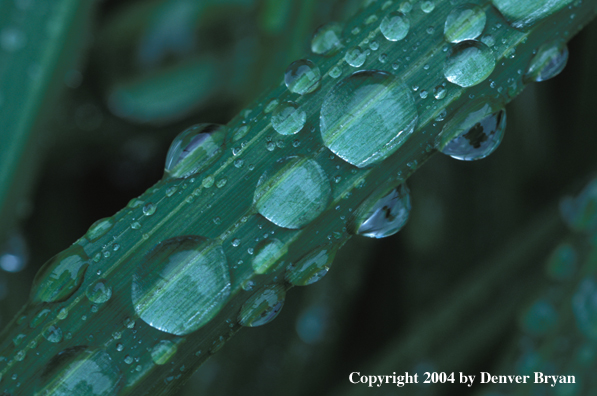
{"points": [[99, 229], [163, 351], [548, 62], [395, 26], [311, 267], [135, 225], [469, 63], [263, 306], [52, 334], [267, 255], [427, 6], [355, 57], [335, 72], [383, 214], [221, 183], [327, 39], [149, 209], [465, 22], [288, 118], [98, 292], [194, 149], [302, 77]]}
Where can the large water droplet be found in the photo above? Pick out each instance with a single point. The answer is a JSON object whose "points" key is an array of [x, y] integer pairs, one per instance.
{"points": [[181, 284], [384, 214], [293, 193], [80, 371], [263, 306], [548, 62], [98, 292], [522, 14], [584, 306], [395, 26], [473, 134], [302, 77], [194, 149], [311, 267], [327, 39], [288, 118], [99, 229], [61, 276], [367, 116], [267, 255], [465, 22], [163, 351], [469, 63]]}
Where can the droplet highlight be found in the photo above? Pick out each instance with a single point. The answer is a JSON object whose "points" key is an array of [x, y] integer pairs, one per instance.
{"points": [[267, 255], [311, 267]]}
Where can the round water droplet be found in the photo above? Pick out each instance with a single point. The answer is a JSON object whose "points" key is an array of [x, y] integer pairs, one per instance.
{"points": [[53, 334], [80, 371], [267, 255], [367, 116], [584, 306], [194, 149], [61, 276], [383, 214], [548, 62], [562, 262], [395, 26], [473, 133], [293, 193], [163, 351], [327, 39], [181, 284], [288, 118], [355, 57], [469, 63], [540, 318], [263, 306], [149, 209], [302, 77], [311, 267], [522, 14], [98, 292], [39, 318], [427, 6], [99, 229], [465, 22], [439, 92]]}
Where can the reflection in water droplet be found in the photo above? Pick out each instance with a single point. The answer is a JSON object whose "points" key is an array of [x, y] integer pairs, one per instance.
{"points": [[52, 334], [181, 284], [473, 135], [522, 14], [293, 193], [61, 276], [327, 39], [302, 77], [355, 57], [263, 306], [288, 118], [465, 22], [548, 62], [163, 351], [469, 63], [267, 255], [395, 26], [311, 267], [99, 229], [194, 149], [98, 292], [380, 217], [367, 116], [80, 371]]}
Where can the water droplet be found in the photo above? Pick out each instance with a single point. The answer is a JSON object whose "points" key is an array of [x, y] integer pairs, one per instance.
{"points": [[302, 77], [439, 92], [60, 276], [465, 22], [62, 314], [522, 14], [367, 116], [335, 72], [263, 306], [288, 118], [427, 6], [473, 134], [327, 39], [99, 229], [355, 57], [80, 371], [129, 323], [163, 351], [128, 359], [395, 26], [469, 63], [562, 262], [194, 149], [98, 292], [271, 106], [39, 318], [119, 347], [53, 334], [383, 214], [293, 193], [311, 267], [181, 284], [584, 306], [241, 133], [540, 318], [18, 339], [267, 255], [149, 209], [548, 62], [135, 225]]}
